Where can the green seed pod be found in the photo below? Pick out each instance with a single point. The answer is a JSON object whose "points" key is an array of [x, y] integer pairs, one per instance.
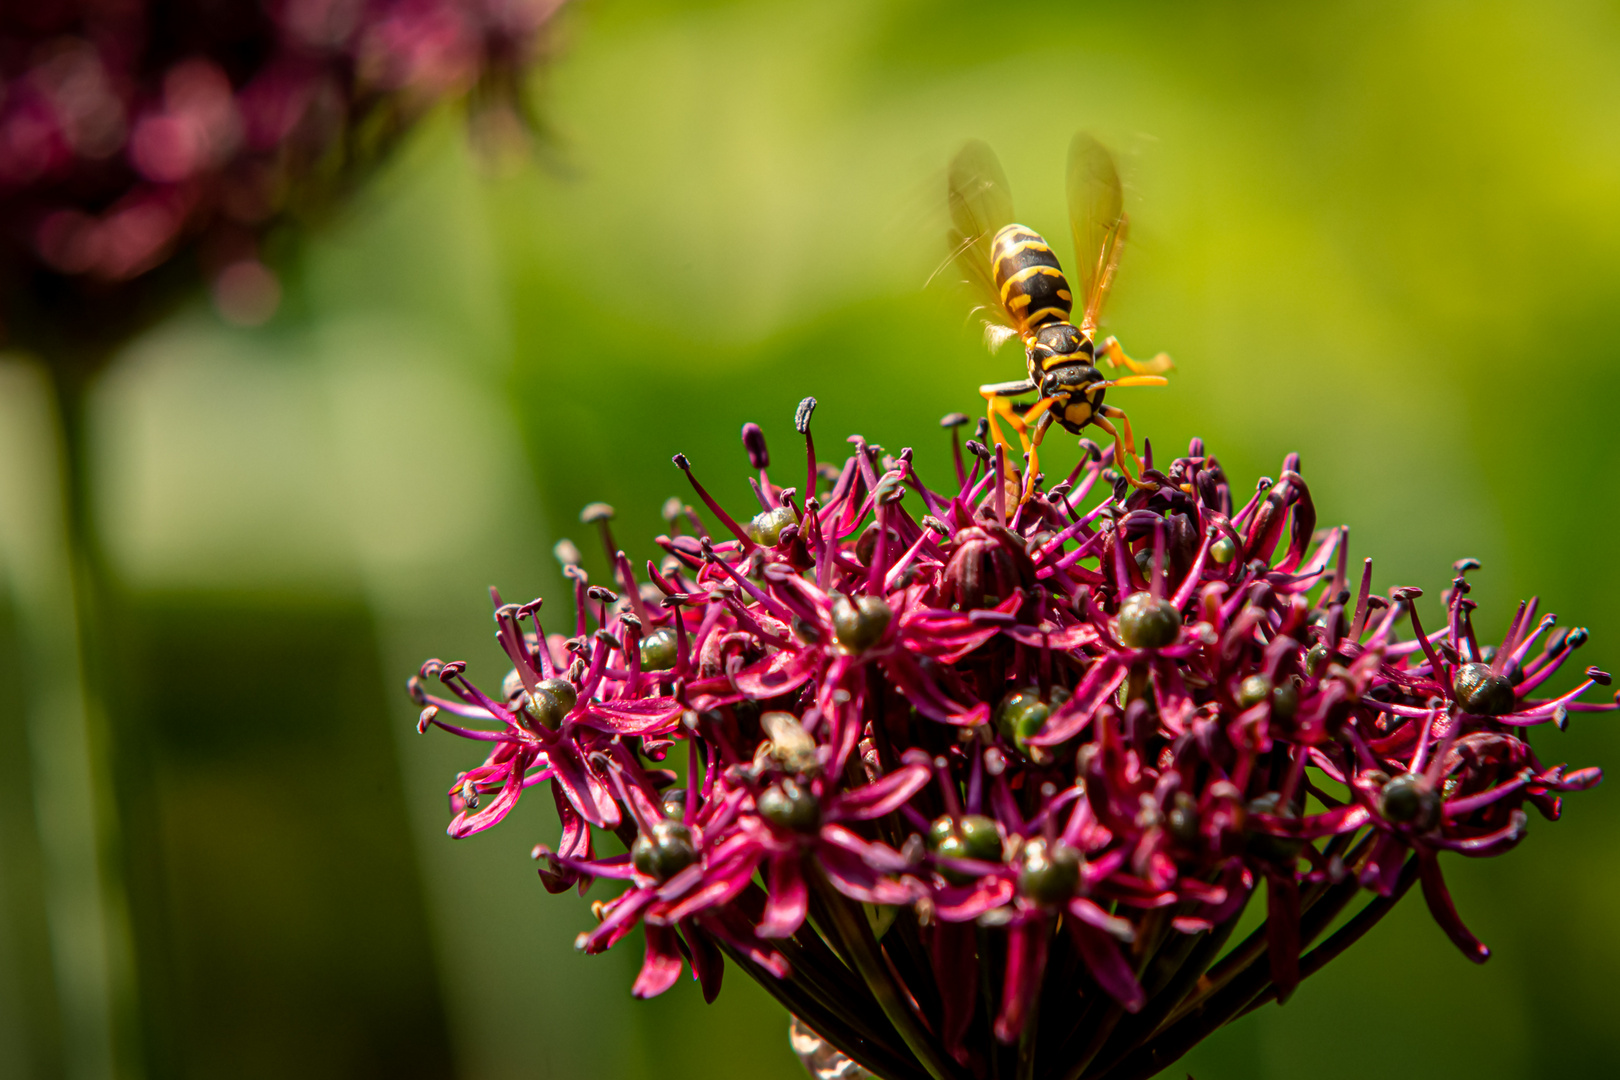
{"points": [[665, 852], [791, 805], [1480, 692], [562, 692], [673, 803], [1223, 551], [547, 706], [1147, 621], [939, 830], [1285, 701], [1408, 799], [953, 847], [1050, 872], [981, 837], [859, 622], [658, 650], [1253, 690], [1022, 714], [767, 525]]}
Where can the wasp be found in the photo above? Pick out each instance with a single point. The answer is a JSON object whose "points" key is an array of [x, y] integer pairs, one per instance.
{"points": [[1025, 295]]}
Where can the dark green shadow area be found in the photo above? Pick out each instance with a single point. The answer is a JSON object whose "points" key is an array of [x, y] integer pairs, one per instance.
{"points": [[277, 878]]}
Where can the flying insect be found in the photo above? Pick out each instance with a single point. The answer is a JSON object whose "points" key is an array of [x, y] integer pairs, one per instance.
{"points": [[1025, 295]]}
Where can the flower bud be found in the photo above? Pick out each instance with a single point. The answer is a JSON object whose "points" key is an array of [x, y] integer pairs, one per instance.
{"points": [[1223, 551], [665, 852], [1408, 799], [1480, 692], [1285, 701], [1147, 621], [754, 442], [1253, 690], [971, 837], [658, 650], [766, 527], [1050, 871], [859, 622], [552, 700], [1023, 713], [790, 805]]}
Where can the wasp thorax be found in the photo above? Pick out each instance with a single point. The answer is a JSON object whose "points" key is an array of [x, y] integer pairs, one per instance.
{"points": [[1062, 339], [665, 851]]}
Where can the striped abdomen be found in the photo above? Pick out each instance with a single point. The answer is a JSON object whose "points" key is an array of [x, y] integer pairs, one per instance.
{"points": [[1033, 289]]}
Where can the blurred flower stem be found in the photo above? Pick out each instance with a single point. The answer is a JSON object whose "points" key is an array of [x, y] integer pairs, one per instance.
{"points": [[153, 150]]}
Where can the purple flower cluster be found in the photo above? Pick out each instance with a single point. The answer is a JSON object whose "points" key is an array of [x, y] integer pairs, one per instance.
{"points": [[982, 789], [131, 129]]}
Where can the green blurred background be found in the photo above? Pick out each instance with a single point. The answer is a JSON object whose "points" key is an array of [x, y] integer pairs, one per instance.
{"points": [[1385, 235]]}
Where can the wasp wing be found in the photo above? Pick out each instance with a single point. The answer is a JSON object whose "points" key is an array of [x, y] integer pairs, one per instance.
{"points": [[980, 204], [1097, 217]]}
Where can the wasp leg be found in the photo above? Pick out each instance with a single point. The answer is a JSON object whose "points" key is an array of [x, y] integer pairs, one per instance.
{"points": [[996, 401], [1042, 409], [1114, 353], [1124, 445]]}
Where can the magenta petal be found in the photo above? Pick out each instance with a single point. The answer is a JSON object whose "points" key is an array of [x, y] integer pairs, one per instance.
{"points": [[962, 903], [1071, 718], [777, 673], [646, 716], [729, 926], [662, 964], [1445, 912], [788, 899], [858, 881], [463, 824], [620, 917], [954, 954], [723, 883], [585, 792], [1313, 826], [708, 963], [1026, 963], [1092, 915], [883, 797], [1107, 965]]}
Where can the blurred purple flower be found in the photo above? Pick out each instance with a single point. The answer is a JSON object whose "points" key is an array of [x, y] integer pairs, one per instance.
{"points": [[141, 135]]}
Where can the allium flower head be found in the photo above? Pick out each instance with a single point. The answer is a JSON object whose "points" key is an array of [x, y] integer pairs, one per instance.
{"points": [[982, 789]]}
